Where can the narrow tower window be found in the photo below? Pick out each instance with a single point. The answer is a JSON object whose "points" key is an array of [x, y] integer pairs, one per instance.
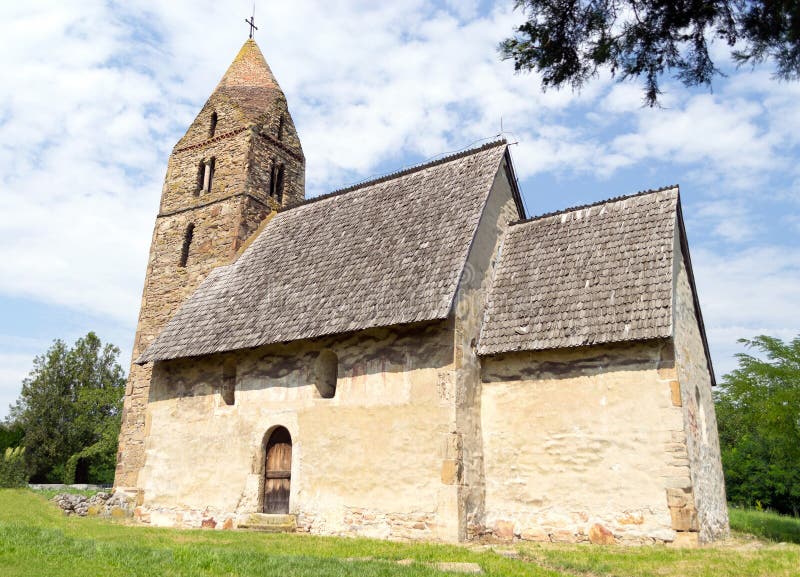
{"points": [[187, 242], [327, 373], [213, 128], [280, 128], [279, 184], [201, 175], [208, 174], [272, 173]]}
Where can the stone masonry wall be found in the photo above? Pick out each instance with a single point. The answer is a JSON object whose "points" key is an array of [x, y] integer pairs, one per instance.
{"points": [[366, 462], [181, 191], [702, 440], [582, 444], [223, 218]]}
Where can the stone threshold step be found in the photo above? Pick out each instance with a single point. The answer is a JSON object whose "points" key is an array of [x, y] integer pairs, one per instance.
{"points": [[268, 523]]}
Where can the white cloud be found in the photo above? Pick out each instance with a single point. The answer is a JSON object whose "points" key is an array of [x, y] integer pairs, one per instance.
{"points": [[747, 293], [724, 136], [623, 98], [729, 219], [93, 98]]}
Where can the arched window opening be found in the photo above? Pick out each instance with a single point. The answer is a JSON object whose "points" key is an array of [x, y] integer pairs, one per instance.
{"points": [[228, 388], [201, 175], [272, 174], [279, 184], [213, 128], [209, 174], [280, 128], [277, 472], [327, 373], [187, 242]]}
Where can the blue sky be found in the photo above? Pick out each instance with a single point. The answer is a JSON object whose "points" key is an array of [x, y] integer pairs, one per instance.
{"points": [[94, 94]]}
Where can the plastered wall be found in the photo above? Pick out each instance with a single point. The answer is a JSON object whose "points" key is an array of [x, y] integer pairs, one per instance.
{"points": [[581, 444], [366, 462]]}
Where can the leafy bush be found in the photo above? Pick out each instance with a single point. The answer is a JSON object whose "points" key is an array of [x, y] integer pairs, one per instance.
{"points": [[13, 472], [11, 435], [757, 412]]}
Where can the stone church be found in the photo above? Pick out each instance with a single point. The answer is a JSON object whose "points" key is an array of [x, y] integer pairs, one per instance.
{"points": [[414, 356]]}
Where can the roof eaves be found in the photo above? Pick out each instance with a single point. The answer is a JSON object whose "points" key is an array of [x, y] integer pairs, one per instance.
{"points": [[483, 352]]}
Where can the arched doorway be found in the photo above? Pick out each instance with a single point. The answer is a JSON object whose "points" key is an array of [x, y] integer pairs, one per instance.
{"points": [[278, 471]]}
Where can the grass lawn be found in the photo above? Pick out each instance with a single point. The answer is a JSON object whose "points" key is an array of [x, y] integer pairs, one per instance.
{"points": [[766, 525], [36, 539]]}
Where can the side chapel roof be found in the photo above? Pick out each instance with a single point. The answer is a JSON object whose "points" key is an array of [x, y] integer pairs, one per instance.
{"points": [[601, 273], [387, 252]]}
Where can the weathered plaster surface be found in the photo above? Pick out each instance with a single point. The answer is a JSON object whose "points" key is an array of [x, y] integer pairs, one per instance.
{"points": [[366, 462], [702, 439], [581, 438]]}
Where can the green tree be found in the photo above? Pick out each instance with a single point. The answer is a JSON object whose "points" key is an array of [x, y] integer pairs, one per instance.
{"points": [[569, 41], [758, 414], [11, 435], [70, 408]]}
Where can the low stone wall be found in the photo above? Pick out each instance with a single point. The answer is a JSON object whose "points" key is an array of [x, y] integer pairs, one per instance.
{"points": [[187, 518], [360, 522], [117, 505], [76, 486]]}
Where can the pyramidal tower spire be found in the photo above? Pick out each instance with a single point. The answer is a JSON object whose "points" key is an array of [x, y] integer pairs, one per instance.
{"points": [[249, 69], [238, 163]]}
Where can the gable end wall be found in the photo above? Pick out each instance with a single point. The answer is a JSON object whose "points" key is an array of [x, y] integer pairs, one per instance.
{"points": [[700, 422]]}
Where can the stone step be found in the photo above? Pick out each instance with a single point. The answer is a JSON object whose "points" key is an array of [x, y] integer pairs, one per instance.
{"points": [[268, 523]]}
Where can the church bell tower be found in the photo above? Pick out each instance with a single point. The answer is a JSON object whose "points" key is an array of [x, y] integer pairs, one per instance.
{"points": [[238, 162]]}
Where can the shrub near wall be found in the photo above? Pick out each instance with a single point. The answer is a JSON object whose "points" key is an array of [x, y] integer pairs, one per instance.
{"points": [[12, 468]]}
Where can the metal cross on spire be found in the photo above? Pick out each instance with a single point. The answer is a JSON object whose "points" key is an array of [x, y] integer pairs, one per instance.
{"points": [[251, 22]]}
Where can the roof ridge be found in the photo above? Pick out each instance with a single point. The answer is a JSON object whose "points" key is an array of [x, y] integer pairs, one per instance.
{"points": [[597, 203], [399, 173]]}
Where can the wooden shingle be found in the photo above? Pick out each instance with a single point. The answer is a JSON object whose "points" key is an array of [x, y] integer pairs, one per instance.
{"points": [[385, 253], [584, 276]]}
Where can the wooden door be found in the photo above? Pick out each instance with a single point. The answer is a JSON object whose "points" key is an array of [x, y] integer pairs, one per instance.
{"points": [[278, 472]]}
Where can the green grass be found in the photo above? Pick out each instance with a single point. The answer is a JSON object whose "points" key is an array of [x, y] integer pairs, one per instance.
{"points": [[36, 539], [766, 524]]}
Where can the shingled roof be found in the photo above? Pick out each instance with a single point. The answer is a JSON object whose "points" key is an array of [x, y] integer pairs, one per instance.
{"points": [[386, 252], [595, 274], [249, 83]]}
